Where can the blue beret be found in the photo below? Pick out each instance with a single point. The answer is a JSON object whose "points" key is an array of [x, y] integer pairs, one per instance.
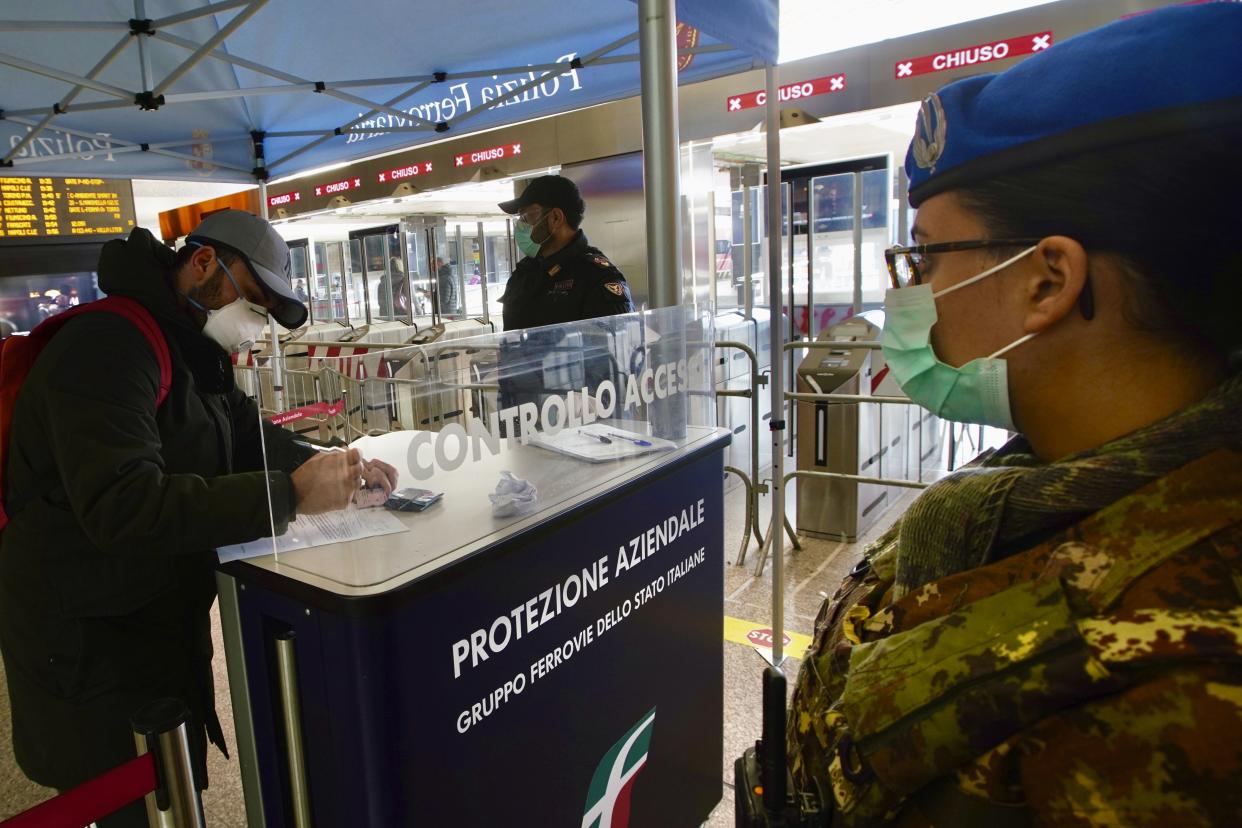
{"points": [[1145, 77]]}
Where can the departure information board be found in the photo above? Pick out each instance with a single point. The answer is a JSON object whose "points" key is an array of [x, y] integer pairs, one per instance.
{"points": [[64, 209]]}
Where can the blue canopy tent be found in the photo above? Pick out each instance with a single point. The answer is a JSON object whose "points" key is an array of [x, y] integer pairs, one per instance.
{"points": [[246, 90], [175, 88]]}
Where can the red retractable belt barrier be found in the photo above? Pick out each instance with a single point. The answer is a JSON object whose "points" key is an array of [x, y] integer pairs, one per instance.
{"points": [[295, 414], [92, 800]]}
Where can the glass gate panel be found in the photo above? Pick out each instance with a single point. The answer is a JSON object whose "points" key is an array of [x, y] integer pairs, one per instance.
{"points": [[448, 276], [379, 274], [499, 259], [299, 272], [418, 264], [356, 285], [328, 286]]}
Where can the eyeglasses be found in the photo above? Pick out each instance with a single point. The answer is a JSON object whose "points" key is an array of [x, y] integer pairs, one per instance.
{"points": [[905, 263]]}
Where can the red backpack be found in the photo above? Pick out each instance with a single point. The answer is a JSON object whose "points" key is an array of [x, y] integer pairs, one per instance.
{"points": [[18, 355]]}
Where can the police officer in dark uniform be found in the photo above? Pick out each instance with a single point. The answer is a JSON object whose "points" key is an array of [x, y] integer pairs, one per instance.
{"points": [[562, 278]]}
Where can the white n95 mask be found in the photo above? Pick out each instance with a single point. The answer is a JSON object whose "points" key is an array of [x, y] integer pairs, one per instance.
{"points": [[237, 325]]}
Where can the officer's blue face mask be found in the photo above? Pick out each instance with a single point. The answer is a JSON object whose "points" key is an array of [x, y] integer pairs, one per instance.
{"points": [[522, 235], [977, 392]]}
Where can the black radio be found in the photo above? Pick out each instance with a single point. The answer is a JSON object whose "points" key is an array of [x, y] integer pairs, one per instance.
{"points": [[764, 792]]}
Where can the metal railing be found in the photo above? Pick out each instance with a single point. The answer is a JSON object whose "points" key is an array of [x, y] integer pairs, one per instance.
{"points": [[793, 397]]}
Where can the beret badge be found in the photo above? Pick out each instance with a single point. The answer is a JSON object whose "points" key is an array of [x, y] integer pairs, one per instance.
{"points": [[929, 137]]}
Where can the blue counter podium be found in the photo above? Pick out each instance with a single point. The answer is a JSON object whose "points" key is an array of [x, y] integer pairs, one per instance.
{"points": [[564, 669]]}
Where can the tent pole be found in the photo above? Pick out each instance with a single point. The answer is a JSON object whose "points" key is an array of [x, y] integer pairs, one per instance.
{"points": [[144, 58], [66, 77], [776, 384], [205, 11], [278, 368], [210, 46], [271, 72], [68, 99], [661, 149]]}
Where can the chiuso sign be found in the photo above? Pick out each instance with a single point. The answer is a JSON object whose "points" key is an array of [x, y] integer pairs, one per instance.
{"points": [[971, 55], [791, 92]]}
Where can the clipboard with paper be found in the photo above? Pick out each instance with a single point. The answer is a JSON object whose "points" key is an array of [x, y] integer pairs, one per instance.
{"points": [[600, 443]]}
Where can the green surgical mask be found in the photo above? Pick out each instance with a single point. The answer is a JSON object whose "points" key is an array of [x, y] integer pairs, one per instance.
{"points": [[522, 235], [977, 392]]}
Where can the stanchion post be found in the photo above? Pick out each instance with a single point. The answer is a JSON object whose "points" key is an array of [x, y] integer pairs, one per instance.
{"points": [[161, 728], [291, 712], [772, 119]]}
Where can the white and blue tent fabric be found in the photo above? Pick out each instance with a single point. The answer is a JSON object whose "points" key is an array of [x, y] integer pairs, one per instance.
{"points": [[179, 88]]}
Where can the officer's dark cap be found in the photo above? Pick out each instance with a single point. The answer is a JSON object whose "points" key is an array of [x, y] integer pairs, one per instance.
{"points": [[549, 191]]}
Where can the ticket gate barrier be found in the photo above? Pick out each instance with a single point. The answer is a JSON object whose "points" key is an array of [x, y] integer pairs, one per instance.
{"points": [[839, 437]]}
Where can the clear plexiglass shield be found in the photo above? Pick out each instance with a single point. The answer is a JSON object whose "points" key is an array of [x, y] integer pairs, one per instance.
{"points": [[488, 433]]}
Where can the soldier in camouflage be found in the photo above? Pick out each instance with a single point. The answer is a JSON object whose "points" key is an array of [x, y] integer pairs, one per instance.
{"points": [[1053, 634]]}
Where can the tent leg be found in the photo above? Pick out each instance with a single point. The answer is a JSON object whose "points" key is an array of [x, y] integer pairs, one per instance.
{"points": [[661, 150], [776, 384]]}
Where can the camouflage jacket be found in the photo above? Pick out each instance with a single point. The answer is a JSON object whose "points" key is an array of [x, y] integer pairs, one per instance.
{"points": [[1093, 680]]}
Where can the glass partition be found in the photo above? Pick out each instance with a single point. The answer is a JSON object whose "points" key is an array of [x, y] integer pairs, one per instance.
{"points": [[328, 286], [503, 430], [299, 271], [356, 285]]}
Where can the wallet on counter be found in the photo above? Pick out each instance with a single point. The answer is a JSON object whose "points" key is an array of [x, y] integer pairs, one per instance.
{"points": [[412, 500]]}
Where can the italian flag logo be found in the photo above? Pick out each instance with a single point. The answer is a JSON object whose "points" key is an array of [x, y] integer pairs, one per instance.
{"points": [[608, 801]]}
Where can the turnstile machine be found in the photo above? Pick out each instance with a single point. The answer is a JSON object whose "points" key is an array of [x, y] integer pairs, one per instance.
{"points": [[894, 441]]}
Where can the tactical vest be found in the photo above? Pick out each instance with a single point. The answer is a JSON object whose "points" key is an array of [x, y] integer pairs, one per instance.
{"points": [[880, 702]]}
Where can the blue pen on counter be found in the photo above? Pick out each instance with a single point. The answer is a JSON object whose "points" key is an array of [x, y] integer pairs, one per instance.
{"points": [[599, 437], [633, 440]]}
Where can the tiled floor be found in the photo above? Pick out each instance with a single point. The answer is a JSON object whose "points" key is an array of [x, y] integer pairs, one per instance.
{"points": [[810, 575]]}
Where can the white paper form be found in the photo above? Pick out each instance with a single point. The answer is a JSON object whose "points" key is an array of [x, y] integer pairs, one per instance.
{"points": [[584, 443], [320, 530]]}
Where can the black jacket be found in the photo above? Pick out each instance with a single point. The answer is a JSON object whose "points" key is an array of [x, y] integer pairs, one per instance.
{"points": [[106, 568], [576, 282]]}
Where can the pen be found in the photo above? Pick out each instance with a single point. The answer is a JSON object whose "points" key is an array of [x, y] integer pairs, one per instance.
{"points": [[315, 447], [599, 437], [633, 440]]}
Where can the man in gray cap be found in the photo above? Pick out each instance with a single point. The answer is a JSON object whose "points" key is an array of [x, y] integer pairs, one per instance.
{"points": [[116, 503]]}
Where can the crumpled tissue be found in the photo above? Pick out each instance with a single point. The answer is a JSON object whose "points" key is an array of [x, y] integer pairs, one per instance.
{"points": [[513, 496]]}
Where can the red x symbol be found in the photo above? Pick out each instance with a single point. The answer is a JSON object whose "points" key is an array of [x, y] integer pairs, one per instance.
{"points": [[357, 182], [382, 178], [1040, 42], [517, 149], [905, 70], [459, 160], [297, 196], [735, 104], [836, 84], [427, 167], [319, 191]]}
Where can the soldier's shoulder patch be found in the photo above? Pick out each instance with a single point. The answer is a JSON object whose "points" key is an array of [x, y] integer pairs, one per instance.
{"points": [[617, 288], [600, 260]]}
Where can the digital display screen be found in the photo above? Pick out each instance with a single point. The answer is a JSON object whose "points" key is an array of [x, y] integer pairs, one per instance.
{"points": [[64, 208]]}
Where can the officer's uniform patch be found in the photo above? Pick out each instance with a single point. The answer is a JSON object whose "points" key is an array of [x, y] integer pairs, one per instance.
{"points": [[554, 269], [601, 261], [615, 288]]}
